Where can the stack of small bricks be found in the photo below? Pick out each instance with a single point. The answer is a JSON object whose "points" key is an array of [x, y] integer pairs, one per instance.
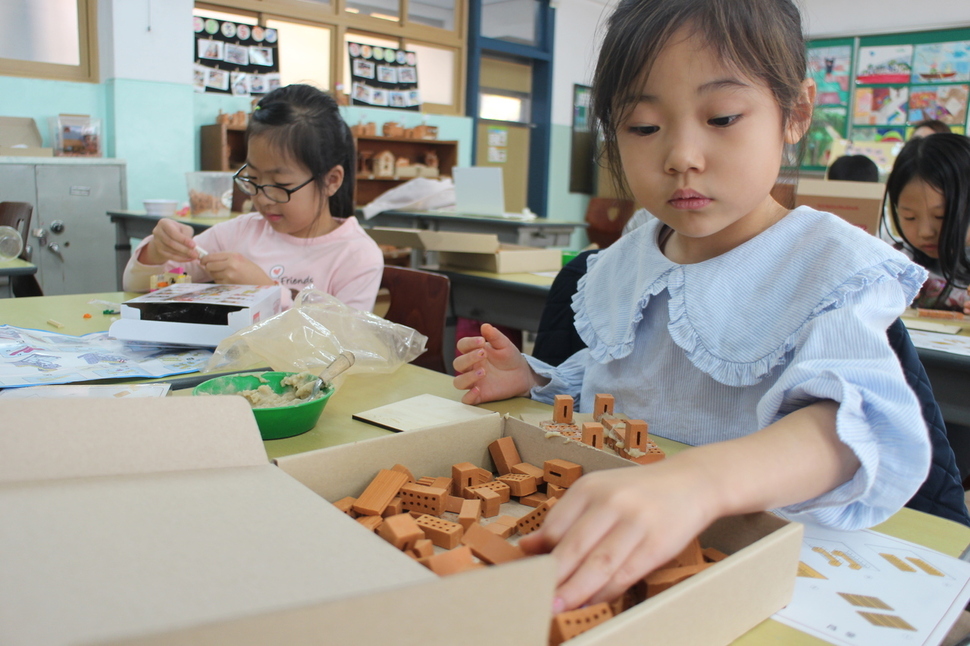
{"points": [[415, 515], [628, 438]]}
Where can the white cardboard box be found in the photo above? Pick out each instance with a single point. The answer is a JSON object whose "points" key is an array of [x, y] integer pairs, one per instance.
{"points": [[195, 313], [480, 251], [713, 607], [19, 137]]}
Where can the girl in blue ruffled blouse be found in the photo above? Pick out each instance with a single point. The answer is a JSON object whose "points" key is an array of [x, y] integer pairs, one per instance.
{"points": [[755, 333]]}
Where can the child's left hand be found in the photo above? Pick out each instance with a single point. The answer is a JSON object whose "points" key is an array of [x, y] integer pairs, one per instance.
{"points": [[614, 527], [231, 268], [966, 307]]}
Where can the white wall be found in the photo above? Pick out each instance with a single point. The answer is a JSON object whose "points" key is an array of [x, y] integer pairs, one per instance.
{"points": [[146, 40], [579, 25]]}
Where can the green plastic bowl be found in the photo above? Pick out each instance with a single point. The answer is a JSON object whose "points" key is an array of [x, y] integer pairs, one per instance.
{"points": [[277, 422]]}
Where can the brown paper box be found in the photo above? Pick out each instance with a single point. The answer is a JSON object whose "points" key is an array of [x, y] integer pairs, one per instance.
{"points": [[858, 203], [19, 137]]}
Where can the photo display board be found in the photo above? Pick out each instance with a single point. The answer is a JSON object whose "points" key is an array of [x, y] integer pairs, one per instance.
{"points": [[874, 89], [383, 77], [233, 58]]}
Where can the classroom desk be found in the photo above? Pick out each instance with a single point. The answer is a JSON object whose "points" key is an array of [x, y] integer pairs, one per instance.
{"points": [[138, 224], [15, 267], [515, 300], [361, 392], [533, 233]]}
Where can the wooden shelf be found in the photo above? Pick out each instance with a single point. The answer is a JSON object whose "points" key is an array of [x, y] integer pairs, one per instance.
{"points": [[368, 187]]}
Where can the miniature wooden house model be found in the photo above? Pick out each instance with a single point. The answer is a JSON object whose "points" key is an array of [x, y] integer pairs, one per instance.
{"points": [[384, 164]]}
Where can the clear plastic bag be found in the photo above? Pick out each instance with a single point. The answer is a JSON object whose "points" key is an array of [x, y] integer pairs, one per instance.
{"points": [[309, 335], [418, 194]]}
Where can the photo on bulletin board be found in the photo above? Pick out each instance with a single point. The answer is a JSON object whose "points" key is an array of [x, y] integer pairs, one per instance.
{"points": [[233, 58], [884, 64], [880, 106], [830, 67], [828, 125], [942, 62], [946, 103], [383, 76]]}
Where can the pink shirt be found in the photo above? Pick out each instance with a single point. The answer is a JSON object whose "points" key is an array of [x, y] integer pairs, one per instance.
{"points": [[346, 262]]}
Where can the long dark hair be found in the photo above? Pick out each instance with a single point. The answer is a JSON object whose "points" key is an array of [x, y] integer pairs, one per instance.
{"points": [[760, 38], [942, 161], [305, 123]]}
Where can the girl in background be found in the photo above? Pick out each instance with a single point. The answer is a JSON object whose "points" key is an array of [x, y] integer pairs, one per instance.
{"points": [[299, 172], [756, 334], [928, 192]]}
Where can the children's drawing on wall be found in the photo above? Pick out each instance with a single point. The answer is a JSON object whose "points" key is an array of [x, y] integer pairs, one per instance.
{"points": [[831, 69], [217, 79], [363, 69], [880, 106], [236, 54], [211, 49], [240, 83], [261, 56], [198, 78], [942, 62], [892, 134], [947, 104], [828, 125], [887, 64]]}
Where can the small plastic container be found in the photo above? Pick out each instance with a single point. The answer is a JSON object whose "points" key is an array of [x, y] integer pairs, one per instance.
{"points": [[11, 244], [163, 208], [210, 194]]}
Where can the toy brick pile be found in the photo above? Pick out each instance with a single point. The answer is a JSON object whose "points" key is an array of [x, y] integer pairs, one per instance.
{"points": [[628, 438], [414, 515]]}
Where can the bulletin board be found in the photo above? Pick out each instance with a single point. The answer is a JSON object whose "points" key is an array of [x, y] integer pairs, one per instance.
{"points": [[384, 77], [830, 64], [896, 80], [233, 58]]}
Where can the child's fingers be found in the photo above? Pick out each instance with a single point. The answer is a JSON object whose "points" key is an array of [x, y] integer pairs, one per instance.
{"points": [[466, 380], [497, 340], [469, 343], [473, 397], [467, 361]]}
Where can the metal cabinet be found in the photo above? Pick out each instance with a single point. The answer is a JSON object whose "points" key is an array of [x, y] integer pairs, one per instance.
{"points": [[72, 240]]}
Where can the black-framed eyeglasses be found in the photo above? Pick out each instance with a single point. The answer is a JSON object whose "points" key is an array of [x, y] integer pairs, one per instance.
{"points": [[274, 192]]}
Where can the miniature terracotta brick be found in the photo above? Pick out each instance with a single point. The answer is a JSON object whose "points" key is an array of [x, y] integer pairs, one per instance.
{"points": [[660, 580], [713, 555], [500, 530], [426, 481], [489, 547], [690, 555], [562, 472], [380, 492], [466, 475], [534, 499], [442, 483], [470, 513], [534, 519], [562, 409], [370, 522], [346, 505], [423, 548], [403, 469], [602, 405], [506, 520], [442, 533], [452, 562], [554, 491], [530, 470], [401, 531], [491, 502], [504, 454], [636, 435], [593, 434], [653, 454], [394, 507], [498, 487], [519, 484], [567, 625], [453, 504], [427, 500]]}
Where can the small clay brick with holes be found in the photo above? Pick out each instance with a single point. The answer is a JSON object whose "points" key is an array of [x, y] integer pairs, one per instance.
{"points": [[403, 469], [465, 475], [401, 531], [534, 499], [491, 501], [470, 512], [567, 625], [370, 522], [453, 504], [452, 562], [562, 472], [530, 470], [423, 548], [427, 500], [940, 314], [504, 454], [602, 405], [690, 555], [395, 507], [519, 484], [534, 519], [504, 526], [346, 505], [443, 533], [660, 580], [562, 409], [593, 434], [713, 555], [380, 492], [498, 487], [426, 481], [442, 483], [554, 491], [490, 548]]}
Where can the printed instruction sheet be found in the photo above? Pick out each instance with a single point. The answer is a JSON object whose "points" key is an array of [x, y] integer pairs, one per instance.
{"points": [[864, 587], [943, 342]]}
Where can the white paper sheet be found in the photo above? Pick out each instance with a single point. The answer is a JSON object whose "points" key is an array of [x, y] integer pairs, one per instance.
{"points": [[420, 412], [943, 342]]}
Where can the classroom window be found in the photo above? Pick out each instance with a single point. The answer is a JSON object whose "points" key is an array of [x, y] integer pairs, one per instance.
{"points": [[364, 39], [241, 18], [512, 20], [436, 73], [55, 39], [433, 13], [304, 52], [503, 107], [389, 10]]}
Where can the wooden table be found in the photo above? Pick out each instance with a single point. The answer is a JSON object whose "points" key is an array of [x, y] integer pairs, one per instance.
{"points": [[15, 267]]}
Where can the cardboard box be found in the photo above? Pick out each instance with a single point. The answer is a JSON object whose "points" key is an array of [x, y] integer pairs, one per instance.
{"points": [[19, 137], [859, 203], [713, 607], [479, 251], [195, 313], [124, 519]]}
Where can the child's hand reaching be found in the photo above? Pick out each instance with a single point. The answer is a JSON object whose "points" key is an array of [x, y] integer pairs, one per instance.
{"points": [[171, 240], [614, 527], [490, 367], [230, 268]]}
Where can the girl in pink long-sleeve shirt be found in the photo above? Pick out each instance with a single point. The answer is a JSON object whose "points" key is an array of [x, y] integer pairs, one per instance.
{"points": [[300, 173]]}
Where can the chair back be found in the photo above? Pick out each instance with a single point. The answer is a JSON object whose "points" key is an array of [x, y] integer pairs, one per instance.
{"points": [[419, 299], [606, 217], [17, 215]]}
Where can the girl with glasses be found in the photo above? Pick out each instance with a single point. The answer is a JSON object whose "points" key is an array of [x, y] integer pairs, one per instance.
{"points": [[299, 172]]}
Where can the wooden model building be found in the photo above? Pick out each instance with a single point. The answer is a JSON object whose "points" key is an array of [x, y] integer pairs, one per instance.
{"points": [[417, 515], [235, 120], [421, 132], [383, 164], [392, 129], [364, 129]]}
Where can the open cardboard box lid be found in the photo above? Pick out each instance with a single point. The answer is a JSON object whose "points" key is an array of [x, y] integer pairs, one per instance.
{"points": [[436, 240], [858, 203], [20, 137], [128, 518]]}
